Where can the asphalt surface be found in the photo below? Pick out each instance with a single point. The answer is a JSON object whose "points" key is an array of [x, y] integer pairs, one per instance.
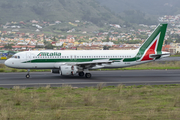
{"points": [[128, 77], [2, 61], [170, 59]]}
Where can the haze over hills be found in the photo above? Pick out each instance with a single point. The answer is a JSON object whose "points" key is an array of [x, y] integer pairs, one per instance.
{"points": [[96, 11], [153, 7], [62, 10]]}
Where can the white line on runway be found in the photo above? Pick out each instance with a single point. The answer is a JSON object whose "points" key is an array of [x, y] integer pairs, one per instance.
{"points": [[92, 83]]}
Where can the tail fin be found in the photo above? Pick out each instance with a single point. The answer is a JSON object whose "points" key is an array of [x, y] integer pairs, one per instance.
{"points": [[153, 44]]}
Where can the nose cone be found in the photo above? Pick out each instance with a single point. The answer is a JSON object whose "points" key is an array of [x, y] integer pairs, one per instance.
{"points": [[6, 62], [11, 63]]}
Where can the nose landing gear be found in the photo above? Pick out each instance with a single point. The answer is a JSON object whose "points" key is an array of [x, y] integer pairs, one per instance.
{"points": [[27, 75]]}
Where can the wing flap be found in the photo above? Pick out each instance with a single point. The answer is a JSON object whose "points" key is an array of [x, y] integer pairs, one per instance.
{"points": [[94, 63]]}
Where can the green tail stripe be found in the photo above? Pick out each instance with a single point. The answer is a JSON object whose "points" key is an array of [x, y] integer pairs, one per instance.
{"points": [[161, 39], [160, 29]]}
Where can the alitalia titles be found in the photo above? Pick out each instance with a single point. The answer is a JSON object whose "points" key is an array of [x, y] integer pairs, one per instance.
{"points": [[49, 54]]}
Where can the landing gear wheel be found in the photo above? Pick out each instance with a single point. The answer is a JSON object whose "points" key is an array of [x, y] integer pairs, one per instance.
{"points": [[88, 75], [27, 76], [81, 74]]}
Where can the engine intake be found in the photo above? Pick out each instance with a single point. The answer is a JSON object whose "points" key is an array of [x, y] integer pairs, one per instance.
{"points": [[55, 71], [68, 70]]}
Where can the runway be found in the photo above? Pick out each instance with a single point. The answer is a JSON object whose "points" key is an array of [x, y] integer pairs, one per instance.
{"points": [[128, 77]]}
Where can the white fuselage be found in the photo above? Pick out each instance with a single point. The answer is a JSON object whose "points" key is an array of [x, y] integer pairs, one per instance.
{"points": [[34, 60]]}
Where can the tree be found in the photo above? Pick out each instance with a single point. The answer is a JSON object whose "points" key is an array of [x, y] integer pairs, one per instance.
{"points": [[106, 47], [107, 39], [8, 46], [54, 39], [49, 46]]}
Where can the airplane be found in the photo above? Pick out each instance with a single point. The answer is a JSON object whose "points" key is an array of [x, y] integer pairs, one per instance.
{"points": [[81, 61]]}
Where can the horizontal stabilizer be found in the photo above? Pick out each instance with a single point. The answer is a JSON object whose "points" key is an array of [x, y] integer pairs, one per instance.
{"points": [[158, 55]]}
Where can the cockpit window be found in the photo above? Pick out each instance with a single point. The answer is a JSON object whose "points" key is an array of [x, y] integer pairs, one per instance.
{"points": [[16, 57]]}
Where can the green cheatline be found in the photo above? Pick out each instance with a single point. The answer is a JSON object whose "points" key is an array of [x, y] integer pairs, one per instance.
{"points": [[68, 60]]}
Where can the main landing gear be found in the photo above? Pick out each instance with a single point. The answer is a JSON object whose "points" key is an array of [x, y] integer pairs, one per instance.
{"points": [[81, 74], [27, 75], [87, 75]]}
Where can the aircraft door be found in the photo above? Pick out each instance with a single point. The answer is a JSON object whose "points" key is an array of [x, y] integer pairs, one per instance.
{"points": [[73, 57], [28, 57], [34, 65]]}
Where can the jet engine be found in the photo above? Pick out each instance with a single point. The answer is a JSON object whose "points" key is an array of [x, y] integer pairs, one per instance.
{"points": [[65, 70], [55, 71]]}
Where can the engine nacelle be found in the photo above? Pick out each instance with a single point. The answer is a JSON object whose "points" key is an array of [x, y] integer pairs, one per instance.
{"points": [[55, 71], [68, 70]]}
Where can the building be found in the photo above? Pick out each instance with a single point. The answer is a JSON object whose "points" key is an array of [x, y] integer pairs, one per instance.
{"points": [[5, 54], [174, 48], [166, 48]]}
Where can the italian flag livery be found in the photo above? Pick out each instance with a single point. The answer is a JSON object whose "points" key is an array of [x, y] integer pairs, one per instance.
{"points": [[151, 49], [153, 44], [80, 61]]}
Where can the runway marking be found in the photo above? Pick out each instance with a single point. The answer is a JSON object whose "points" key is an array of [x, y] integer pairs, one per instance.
{"points": [[92, 83]]}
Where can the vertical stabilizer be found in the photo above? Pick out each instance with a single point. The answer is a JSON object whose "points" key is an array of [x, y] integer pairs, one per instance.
{"points": [[152, 45]]}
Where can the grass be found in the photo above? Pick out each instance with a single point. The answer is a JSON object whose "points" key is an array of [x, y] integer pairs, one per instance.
{"points": [[142, 102], [175, 56]]}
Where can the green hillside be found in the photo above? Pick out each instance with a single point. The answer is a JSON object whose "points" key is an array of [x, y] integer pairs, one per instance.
{"points": [[142, 11], [153, 7], [52, 10]]}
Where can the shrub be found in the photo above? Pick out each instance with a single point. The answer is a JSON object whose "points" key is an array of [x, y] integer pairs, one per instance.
{"points": [[14, 70], [2, 70], [22, 70], [89, 99], [119, 88], [101, 86], [2, 66]]}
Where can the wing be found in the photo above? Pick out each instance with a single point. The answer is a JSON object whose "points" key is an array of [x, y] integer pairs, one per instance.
{"points": [[95, 64]]}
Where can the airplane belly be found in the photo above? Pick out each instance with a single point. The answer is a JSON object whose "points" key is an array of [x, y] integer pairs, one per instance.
{"points": [[44, 65]]}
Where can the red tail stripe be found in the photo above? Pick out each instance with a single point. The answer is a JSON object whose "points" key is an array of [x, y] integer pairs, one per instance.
{"points": [[151, 50]]}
